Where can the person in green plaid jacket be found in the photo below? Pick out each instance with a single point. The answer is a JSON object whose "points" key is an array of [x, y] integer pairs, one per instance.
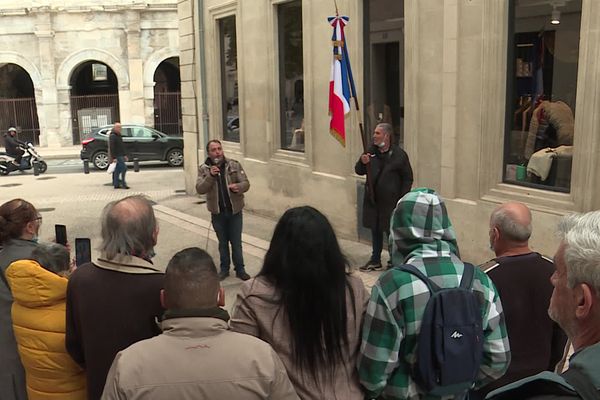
{"points": [[421, 234]]}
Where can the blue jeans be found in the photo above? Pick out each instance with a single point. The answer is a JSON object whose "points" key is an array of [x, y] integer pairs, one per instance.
{"points": [[229, 230], [119, 173], [377, 243]]}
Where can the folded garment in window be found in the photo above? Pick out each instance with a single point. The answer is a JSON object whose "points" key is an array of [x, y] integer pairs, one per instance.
{"points": [[541, 161]]}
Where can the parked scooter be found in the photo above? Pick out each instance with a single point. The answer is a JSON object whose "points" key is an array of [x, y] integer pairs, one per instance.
{"points": [[27, 161]]}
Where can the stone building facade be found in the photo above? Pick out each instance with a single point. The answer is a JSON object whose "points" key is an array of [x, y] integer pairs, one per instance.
{"points": [[50, 39], [454, 94]]}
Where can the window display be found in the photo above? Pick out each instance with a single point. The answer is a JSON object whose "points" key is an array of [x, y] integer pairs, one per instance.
{"points": [[541, 89]]}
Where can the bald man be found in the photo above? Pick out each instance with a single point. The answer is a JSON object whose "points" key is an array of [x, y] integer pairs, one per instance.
{"points": [[522, 278]]}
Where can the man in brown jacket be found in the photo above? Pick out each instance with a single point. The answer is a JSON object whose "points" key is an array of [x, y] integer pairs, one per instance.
{"points": [[197, 356], [224, 182]]}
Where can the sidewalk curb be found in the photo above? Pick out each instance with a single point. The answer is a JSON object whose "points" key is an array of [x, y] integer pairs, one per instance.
{"points": [[59, 156]]}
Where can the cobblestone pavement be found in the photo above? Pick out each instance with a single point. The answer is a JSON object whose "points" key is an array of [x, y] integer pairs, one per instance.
{"points": [[77, 200]]}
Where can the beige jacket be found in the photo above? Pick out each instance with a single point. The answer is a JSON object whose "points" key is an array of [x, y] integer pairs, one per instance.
{"points": [[198, 358], [207, 184], [256, 313]]}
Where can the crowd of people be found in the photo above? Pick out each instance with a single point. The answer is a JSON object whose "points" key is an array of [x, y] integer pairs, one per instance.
{"points": [[305, 327]]}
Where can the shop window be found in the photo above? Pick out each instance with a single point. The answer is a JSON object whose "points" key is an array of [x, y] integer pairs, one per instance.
{"points": [[229, 80], [541, 92], [291, 75]]}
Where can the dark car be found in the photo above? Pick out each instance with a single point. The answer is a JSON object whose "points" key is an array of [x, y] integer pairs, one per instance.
{"points": [[141, 142]]}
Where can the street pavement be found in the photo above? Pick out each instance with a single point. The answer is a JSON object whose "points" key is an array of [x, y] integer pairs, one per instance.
{"points": [[76, 200]]}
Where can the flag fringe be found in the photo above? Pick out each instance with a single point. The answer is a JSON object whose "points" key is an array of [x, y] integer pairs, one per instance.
{"points": [[338, 136]]}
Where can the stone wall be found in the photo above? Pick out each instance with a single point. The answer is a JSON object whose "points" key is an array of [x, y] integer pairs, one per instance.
{"points": [[50, 39], [455, 84]]}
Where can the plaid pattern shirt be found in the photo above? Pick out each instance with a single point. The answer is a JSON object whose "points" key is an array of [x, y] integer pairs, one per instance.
{"points": [[421, 235]]}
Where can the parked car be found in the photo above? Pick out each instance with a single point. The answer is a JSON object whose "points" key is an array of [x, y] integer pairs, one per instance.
{"points": [[141, 142]]}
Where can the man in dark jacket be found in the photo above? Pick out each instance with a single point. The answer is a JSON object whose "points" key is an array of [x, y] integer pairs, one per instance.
{"points": [[575, 306], [113, 302], [12, 145], [390, 177], [117, 152], [522, 276]]}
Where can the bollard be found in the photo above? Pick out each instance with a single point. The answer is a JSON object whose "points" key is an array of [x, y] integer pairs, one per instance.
{"points": [[136, 165], [36, 168], [86, 166]]}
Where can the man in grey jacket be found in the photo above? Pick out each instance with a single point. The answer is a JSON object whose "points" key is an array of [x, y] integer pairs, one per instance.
{"points": [[197, 356], [224, 182]]}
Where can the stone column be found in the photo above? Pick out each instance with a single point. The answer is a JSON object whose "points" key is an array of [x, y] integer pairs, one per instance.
{"points": [[46, 97], [63, 106], [135, 102], [149, 104]]}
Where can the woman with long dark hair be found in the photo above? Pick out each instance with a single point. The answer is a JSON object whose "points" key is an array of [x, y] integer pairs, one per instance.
{"points": [[307, 306], [19, 228]]}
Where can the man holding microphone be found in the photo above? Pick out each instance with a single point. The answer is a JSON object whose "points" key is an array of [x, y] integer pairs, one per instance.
{"points": [[224, 181], [390, 178]]}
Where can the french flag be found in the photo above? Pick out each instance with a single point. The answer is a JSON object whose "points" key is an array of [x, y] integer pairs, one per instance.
{"points": [[341, 84]]}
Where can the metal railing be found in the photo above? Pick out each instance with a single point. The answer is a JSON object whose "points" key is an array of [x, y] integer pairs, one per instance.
{"points": [[22, 114], [167, 113], [94, 111]]}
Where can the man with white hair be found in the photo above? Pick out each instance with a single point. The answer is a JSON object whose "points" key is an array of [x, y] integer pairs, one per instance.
{"points": [[389, 177], [522, 277], [575, 306]]}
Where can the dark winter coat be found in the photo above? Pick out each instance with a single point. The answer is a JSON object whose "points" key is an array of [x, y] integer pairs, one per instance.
{"points": [[392, 178], [12, 144], [117, 148], [111, 304]]}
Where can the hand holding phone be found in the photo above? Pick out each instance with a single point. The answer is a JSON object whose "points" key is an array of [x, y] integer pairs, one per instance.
{"points": [[61, 234], [83, 251]]}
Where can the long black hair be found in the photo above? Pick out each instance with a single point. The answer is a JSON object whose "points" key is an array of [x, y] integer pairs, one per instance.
{"points": [[304, 262]]}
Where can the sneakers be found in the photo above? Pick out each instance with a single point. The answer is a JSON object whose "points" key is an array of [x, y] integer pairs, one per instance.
{"points": [[371, 266], [223, 275], [243, 275]]}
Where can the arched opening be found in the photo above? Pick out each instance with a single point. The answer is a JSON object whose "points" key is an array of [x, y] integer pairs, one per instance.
{"points": [[167, 97], [17, 103], [94, 98]]}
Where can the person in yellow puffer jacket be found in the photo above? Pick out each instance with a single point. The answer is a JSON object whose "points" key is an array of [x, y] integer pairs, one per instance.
{"points": [[38, 315]]}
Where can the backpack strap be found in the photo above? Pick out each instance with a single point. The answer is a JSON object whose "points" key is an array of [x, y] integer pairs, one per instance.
{"points": [[466, 281], [582, 384], [468, 274], [411, 269]]}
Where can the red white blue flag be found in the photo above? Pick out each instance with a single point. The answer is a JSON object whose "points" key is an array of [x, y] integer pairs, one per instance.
{"points": [[341, 84]]}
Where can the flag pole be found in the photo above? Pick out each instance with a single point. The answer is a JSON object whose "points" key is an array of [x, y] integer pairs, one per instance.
{"points": [[363, 137]]}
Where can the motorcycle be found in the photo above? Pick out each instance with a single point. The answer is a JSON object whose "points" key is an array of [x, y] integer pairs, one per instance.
{"points": [[28, 160]]}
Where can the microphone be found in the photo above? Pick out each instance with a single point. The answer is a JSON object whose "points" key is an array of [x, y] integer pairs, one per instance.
{"points": [[217, 161]]}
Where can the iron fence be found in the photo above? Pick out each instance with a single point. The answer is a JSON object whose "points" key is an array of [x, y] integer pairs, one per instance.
{"points": [[167, 113], [94, 111], [22, 114]]}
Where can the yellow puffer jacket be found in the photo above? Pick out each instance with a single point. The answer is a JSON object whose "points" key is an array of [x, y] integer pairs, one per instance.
{"points": [[38, 315]]}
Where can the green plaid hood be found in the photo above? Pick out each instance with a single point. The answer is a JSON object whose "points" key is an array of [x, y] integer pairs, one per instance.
{"points": [[420, 228]]}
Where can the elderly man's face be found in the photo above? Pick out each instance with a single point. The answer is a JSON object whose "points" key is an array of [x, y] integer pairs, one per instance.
{"points": [[562, 303], [379, 137]]}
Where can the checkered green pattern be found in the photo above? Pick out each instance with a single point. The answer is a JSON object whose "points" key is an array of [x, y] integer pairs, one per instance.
{"points": [[422, 235]]}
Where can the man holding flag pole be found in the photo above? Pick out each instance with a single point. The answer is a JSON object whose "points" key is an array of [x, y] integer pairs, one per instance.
{"points": [[387, 167]]}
